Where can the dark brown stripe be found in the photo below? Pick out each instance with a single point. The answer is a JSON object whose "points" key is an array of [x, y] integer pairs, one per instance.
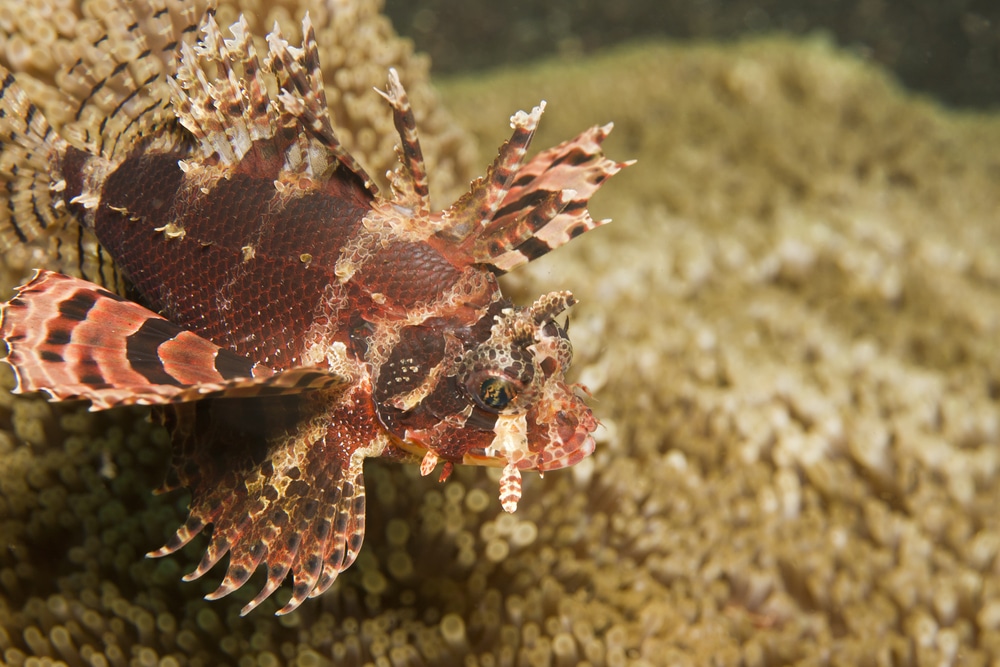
{"points": [[110, 295], [58, 337], [141, 350], [231, 366], [269, 390], [39, 217], [529, 200], [8, 81], [574, 158], [77, 306], [521, 181], [93, 91], [89, 372], [533, 248], [306, 379], [94, 381], [139, 117], [11, 213]]}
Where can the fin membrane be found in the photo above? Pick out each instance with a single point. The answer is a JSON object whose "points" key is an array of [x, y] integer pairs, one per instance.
{"points": [[72, 339], [277, 480], [221, 96], [518, 212]]}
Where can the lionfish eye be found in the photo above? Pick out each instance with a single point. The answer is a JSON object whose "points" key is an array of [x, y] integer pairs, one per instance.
{"points": [[496, 393]]}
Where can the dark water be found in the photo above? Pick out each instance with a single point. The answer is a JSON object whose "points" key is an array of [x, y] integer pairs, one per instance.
{"points": [[949, 49]]}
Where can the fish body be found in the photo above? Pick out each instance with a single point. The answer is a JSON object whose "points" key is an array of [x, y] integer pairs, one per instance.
{"points": [[287, 319]]}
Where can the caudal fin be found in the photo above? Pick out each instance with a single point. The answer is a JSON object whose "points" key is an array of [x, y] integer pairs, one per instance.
{"points": [[117, 97], [118, 89], [28, 150], [32, 209]]}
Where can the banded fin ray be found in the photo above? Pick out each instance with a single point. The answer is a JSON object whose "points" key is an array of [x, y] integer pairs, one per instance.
{"points": [[280, 479], [519, 211], [34, 212], [27, 146], [115, 96], [303, 96], [409, 179], [73, 339], [220, 95], [120, 84], [546, 205], [464, 222]]}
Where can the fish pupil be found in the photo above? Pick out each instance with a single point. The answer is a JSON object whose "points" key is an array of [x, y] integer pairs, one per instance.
{"points": [[496, 393]]}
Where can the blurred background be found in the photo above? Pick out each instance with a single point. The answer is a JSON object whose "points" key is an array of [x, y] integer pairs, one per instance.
{"points": [[949, 49]]}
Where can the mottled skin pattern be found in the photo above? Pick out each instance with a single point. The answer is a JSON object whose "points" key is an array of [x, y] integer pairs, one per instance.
{"points": [[291, 320]]}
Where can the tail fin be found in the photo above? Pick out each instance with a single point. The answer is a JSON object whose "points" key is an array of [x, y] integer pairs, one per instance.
{"points": [[118, 97], [119, 85], [32, 212], [28, 149]]}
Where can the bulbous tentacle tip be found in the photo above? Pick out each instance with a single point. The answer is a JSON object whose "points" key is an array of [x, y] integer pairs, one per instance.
{"points": [[428, 463], [510, 488]]}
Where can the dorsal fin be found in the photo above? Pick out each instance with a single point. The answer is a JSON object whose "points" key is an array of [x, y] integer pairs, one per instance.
{"points": [[546, 204], [220, 96], [303, 94], [520, 211], [409, 179], [464, 221]]}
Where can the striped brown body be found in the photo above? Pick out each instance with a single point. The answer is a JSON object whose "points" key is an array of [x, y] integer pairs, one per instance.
{"points": [[267, 267]]}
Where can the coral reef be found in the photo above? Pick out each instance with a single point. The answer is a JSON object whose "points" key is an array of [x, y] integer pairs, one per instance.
{"points": [[791, 334]]}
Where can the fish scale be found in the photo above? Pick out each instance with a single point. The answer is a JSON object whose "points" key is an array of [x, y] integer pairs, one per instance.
{"points": [[290, 320]]}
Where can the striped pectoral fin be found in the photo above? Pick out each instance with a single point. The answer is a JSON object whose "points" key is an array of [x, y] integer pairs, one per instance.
{"points": [[281, 482], [72, 339]]}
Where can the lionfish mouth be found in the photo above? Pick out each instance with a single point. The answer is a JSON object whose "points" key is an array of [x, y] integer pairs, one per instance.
{"points": [[566, 439]]}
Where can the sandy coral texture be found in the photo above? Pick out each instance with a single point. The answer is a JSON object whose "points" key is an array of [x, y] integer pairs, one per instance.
{"points": [[791, 335]]}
